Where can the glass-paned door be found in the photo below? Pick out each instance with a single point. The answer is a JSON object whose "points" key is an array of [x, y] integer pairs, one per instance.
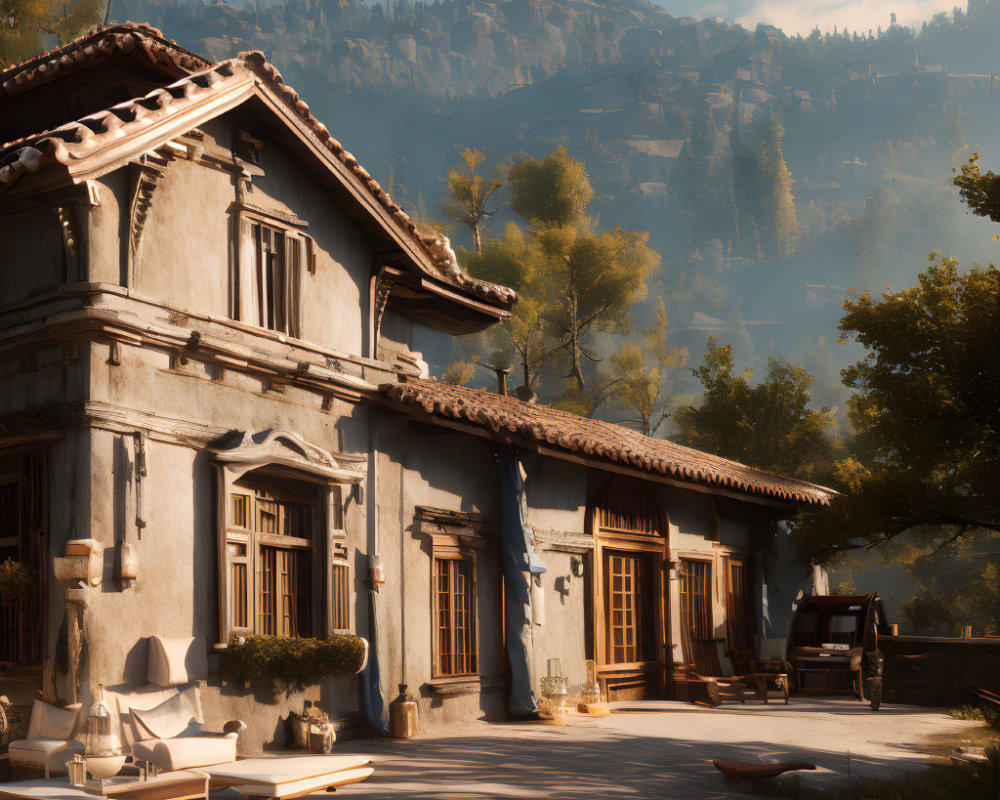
{"points": [[628, 593]]}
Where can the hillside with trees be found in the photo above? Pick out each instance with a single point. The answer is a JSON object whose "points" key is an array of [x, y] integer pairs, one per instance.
{"points": [[772, 173]]}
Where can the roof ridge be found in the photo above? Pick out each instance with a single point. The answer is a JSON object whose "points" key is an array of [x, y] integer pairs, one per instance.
{"points": [[82, 133], [99, 41]]}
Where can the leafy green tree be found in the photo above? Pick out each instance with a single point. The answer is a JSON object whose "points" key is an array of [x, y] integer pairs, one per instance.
{"points": [[768, 425], [469, 195], [979, 191], [552, 192], [763, 193], [925, 413], [573, 281], [643, 375], [24, 23], [524, 340]]}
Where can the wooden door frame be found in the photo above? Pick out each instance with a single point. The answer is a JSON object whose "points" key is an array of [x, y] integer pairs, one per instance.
{"points": [[658, 548]]}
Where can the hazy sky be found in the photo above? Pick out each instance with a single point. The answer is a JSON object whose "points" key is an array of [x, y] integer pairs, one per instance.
{"points": [[801, 16]]}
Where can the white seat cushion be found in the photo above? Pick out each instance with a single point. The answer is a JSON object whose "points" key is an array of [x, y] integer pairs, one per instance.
{"points": [[287, 775], [187, 752], [178, 715], [52, 722], [50, 755], [172, 661]]}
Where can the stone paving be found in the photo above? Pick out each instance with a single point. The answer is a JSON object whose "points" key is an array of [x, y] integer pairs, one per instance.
{"points": [[652, 749]]}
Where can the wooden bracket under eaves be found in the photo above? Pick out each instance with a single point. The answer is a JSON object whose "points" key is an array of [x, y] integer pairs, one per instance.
{"points": [[147, 173]]}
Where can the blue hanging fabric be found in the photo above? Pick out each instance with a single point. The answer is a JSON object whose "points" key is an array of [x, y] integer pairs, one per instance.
{"points": [[371, 679], [519, 563]]}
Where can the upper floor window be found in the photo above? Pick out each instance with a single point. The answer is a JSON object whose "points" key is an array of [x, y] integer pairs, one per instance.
{"points": [[266, 280]]}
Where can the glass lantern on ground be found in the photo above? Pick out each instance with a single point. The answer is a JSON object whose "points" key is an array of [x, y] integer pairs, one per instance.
{"points": [[103, 750]]}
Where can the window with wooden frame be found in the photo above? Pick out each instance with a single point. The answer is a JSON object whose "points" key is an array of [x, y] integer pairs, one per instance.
{"points": [[455, 615], [455, 536], [697, 629], [24, 539], [271, 549], [266, 280], [628, 579], [340, 568], [739, 605]]}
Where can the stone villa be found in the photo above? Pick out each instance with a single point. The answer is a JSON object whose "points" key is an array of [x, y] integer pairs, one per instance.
{"points": [[210, 324]]}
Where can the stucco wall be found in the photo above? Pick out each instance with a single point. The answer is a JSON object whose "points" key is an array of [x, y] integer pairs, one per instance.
{"points": [[31, 254], [187, 247], [453, 472]]}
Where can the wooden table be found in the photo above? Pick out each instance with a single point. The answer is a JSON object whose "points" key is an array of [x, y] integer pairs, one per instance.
{"points": [[179, 785], [759, 681]]}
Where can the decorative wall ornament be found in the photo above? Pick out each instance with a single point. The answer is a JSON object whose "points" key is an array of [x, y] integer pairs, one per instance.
{"points": [[70, 229], [243, 452], [148, 172], [383, 288]]}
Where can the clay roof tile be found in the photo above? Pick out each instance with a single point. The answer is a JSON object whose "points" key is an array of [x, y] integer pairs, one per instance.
{"points": [[599, 440]]}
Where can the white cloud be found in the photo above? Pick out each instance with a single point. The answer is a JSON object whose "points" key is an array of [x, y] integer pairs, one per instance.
{"points": [[796, 16]]}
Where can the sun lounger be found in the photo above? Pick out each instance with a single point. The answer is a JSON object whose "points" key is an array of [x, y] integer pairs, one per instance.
{"points": [[288, 776]]}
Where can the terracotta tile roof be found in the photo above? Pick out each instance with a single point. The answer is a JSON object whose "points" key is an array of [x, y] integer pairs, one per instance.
{"points": [[94, 134], [100, 43], [597, 440]]}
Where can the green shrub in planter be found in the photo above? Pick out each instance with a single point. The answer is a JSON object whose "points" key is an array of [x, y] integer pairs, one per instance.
{"points": [[291, 661], [16, 580]]}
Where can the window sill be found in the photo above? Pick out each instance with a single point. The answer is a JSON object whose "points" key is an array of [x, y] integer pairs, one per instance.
{"points": [[465, 684]]}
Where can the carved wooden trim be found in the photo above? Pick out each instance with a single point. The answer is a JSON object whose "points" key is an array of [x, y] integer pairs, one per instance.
{"points": [[453, 529], [147, 174], [563, 541], [383, 288]]}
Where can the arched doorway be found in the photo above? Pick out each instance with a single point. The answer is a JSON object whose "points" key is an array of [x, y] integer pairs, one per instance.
{"points": [[630, 607]]}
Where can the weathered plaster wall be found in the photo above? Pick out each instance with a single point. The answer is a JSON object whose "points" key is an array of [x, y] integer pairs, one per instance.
{"points": [[31, 254], [176, 591], [449, 471], [187, 247], [556, 493]]}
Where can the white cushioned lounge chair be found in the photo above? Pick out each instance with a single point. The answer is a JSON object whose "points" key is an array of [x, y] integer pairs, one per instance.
{"points": [[50, 744], [162, 721]]}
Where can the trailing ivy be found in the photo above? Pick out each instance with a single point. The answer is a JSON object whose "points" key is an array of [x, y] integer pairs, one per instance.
{"points": [[291, 661], [16, 580]]}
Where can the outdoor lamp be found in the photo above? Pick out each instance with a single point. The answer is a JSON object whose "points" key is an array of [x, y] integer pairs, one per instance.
{"points": [[103, 753]]}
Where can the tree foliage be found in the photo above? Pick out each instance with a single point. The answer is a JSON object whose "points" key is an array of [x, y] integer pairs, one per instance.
{"points": [[979, 191], [25, 23], [925, 413], [469, 194], [643, 374], [573, 280], [768, 425]]}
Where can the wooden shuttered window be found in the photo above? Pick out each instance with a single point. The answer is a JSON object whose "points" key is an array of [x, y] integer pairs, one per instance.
{"points": [[697, 628], [339, 587], [269, 551], [455, 616], [628, 508], [739, 605], [268, 273]]}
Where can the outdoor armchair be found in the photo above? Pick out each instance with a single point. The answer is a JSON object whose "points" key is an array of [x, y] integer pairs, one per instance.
{"points": [[50, 741]]}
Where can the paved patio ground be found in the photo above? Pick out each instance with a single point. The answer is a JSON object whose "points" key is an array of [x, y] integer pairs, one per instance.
{"points": [[654, 749]]}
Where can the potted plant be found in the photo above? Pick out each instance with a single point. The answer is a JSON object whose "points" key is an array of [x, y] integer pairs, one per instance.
{"points": [[291, 662]]}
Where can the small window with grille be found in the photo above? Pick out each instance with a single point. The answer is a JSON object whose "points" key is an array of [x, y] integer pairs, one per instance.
{"points": [[455, 615]]}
